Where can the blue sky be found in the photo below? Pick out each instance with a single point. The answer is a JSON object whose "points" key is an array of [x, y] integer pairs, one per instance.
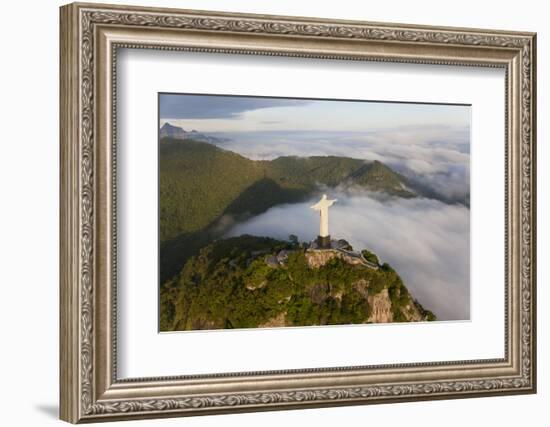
{"points": [[211, 113]]}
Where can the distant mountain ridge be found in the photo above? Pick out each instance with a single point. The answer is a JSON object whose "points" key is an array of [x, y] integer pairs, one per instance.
{"points": [[175, 132], [203, 189], [194, 172]]}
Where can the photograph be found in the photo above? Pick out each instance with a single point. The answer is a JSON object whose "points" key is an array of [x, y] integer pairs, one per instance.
{"points": [[294, 212], [265, 209]]}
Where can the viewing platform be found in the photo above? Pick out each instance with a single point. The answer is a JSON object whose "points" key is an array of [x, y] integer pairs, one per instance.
{"points": [[318, 256]]}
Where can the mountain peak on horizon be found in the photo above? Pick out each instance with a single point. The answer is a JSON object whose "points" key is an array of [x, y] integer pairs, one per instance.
{"points": [[168, 125], [169, 130]]}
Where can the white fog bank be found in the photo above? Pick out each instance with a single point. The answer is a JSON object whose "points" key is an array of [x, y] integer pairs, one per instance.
{"points": [[426, 241]]}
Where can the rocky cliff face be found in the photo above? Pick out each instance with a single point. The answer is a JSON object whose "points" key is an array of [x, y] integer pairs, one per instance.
{"points": [[381, 310], [381, 307], [318, 258]]}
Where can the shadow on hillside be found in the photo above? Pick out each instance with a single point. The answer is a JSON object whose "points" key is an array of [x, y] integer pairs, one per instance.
{"points": [[175, 252], [256, 199], [261, 196]]}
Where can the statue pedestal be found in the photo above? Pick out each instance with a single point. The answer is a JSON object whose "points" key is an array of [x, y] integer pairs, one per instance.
{"points": [[323, 242]]}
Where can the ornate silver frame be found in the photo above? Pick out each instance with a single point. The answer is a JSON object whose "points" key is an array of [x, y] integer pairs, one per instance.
{"points": [[90, 36]]}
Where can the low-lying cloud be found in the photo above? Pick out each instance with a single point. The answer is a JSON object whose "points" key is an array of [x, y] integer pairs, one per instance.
{"points": [[425, 240], [435, 157]]}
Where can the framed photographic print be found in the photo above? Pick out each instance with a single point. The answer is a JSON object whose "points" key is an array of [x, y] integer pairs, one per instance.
{"points": [[266, 212]]}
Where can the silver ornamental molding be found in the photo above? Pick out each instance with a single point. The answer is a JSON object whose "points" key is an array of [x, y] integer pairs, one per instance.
{"points": [[89, 18]]}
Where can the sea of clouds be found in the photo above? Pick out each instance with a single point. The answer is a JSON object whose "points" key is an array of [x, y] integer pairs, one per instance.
{"points": [[425, 240], [436, 157]]}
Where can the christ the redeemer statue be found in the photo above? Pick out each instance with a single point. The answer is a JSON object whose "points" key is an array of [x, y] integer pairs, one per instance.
{"points": [[322, 206]]}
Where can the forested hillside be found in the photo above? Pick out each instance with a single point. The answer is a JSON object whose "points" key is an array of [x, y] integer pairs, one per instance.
{"points": [[203, 186], [272, 283]]}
